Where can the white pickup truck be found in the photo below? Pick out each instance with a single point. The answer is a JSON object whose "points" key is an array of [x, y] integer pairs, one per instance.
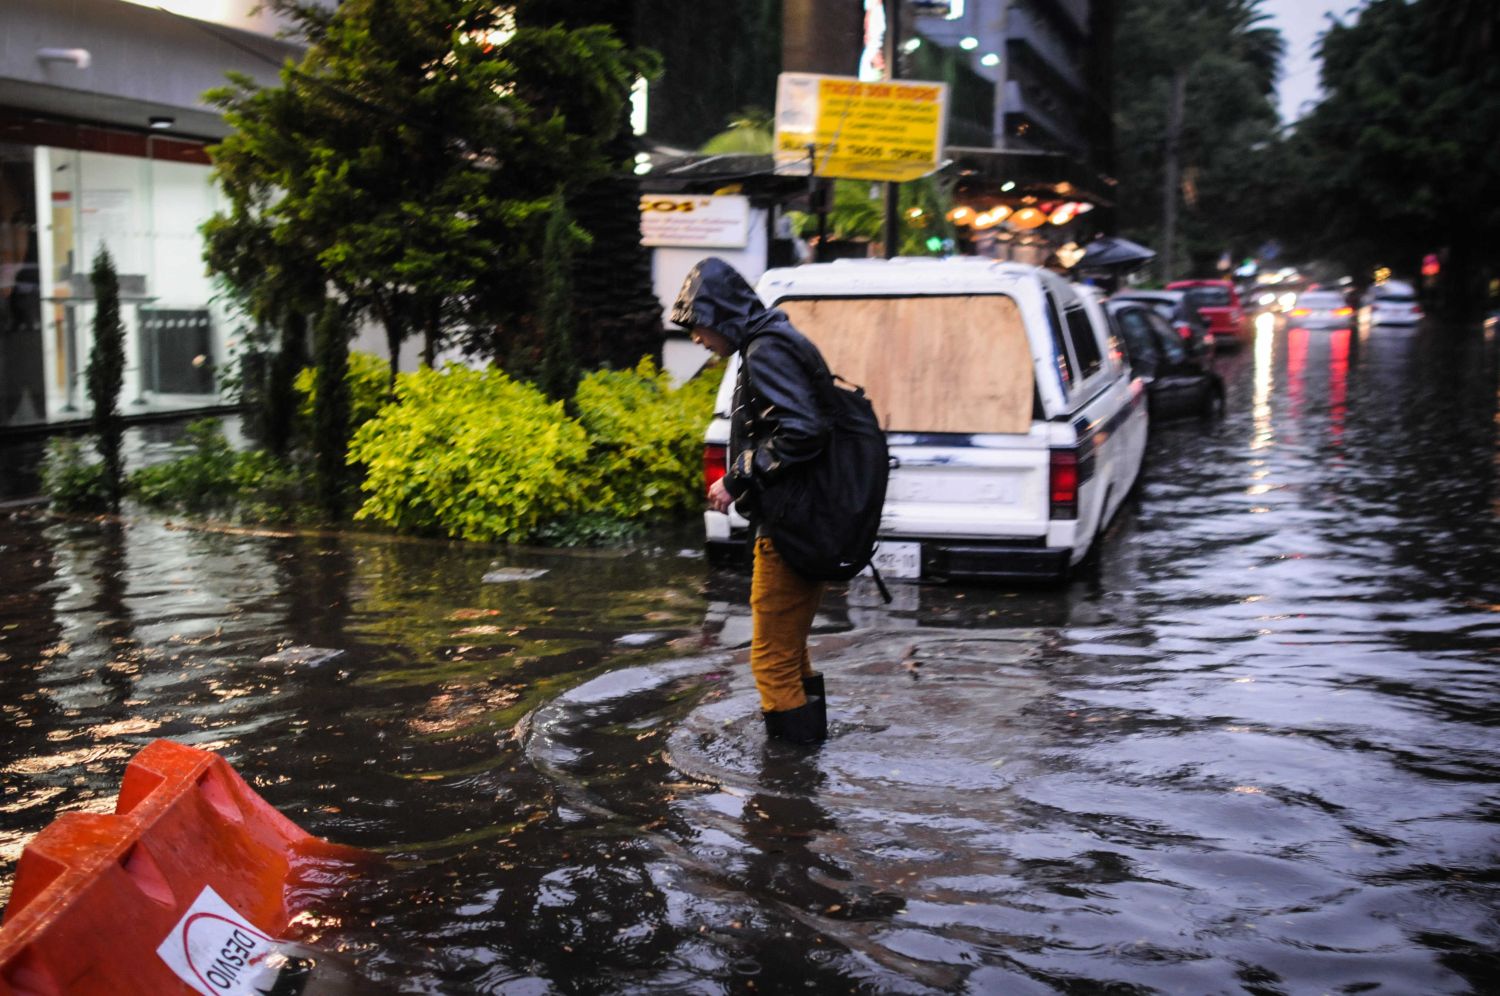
{"points": [[1015, 426]]}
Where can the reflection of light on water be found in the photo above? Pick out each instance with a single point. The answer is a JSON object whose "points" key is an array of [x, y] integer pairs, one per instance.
{"points": [[1260, 411], [1296, 364], [1338, 383]]}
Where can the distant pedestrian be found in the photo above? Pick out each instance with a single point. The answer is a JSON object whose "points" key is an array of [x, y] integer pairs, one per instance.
{"points": [[777, 425]]}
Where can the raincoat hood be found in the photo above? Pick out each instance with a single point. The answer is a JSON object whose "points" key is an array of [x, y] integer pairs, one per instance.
{"points": [[715, 296]]}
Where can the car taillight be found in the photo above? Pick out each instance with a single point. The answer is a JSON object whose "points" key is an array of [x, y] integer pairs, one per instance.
{"points": [[715, 465], [1185, 330], [1062, 483], [1343, 311]]}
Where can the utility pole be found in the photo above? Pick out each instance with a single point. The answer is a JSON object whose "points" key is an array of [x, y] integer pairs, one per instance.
{"points": [[892, 189]]}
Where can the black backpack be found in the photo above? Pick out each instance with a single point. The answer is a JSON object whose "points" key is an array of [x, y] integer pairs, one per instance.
{"points": [[825, 516]]}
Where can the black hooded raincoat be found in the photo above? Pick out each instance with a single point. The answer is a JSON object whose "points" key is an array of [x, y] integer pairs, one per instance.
{"points": [[777, 422]]}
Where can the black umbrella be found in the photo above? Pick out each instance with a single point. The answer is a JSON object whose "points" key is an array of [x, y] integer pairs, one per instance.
{"points": [[1115, 255]]}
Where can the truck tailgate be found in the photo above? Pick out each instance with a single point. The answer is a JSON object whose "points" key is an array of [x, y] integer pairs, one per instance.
{"points": [[966, 491]]}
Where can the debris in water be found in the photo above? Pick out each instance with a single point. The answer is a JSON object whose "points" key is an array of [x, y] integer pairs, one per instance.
{"points": [[306, 656], [640, 639], [502, 575]]}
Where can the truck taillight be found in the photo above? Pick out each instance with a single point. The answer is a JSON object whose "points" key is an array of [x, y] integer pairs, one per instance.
{"points": [[1062, 484], [715, 464]]}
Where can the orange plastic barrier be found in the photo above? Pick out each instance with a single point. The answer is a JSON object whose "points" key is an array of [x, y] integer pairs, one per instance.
{"points": [[96, 896]]}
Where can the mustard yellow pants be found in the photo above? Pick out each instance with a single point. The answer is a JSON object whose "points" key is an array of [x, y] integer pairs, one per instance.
{"points": [[782, 606]]}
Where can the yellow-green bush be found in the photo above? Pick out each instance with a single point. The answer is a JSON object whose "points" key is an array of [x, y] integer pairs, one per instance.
{"points": [[646, 440], [369, 380], [471, 454]]}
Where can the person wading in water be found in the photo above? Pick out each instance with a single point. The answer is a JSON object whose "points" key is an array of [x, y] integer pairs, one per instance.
{"points": [[776, 427]]}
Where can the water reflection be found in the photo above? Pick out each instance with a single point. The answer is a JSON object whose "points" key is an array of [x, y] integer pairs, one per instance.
{"points": [[1265, 379]]}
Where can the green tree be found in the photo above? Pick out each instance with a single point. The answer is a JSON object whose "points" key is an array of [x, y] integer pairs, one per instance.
{"points": [[411, 158], [106, 374], [751, 131], [617, 315], [331, 403], [1399, 158], [1194, 119], [277, 283], [559, 366]]}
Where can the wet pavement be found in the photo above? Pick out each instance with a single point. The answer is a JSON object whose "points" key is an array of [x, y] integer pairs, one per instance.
{"points": [[1255, 752]]}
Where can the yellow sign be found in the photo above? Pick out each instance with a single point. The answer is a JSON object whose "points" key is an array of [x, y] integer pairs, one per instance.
{"points": [[838, 126]]}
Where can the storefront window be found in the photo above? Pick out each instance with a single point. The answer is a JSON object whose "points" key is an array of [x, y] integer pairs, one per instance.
{"points": [[58, 207]]}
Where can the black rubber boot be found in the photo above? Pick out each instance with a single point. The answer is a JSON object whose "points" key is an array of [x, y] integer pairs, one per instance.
{"points": [[807, 724], [812, 687]]}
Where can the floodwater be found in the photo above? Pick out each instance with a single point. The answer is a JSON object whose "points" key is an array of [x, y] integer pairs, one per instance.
{"points": [[1256, 752]]}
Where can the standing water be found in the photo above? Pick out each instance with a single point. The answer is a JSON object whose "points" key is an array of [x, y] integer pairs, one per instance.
{"points": [[1254, 752]]}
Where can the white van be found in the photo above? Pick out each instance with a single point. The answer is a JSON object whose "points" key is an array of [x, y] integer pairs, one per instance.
{"points": [[1015, 426]]}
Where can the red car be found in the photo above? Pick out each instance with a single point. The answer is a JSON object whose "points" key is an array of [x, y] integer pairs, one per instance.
{"points": [[1219, 304]]}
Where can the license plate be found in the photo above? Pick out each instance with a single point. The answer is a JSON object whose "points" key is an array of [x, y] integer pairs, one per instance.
{"points": [[898, 560]]}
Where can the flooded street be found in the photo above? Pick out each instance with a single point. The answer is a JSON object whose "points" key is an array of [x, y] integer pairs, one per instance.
{"points": [[1255, 752]]}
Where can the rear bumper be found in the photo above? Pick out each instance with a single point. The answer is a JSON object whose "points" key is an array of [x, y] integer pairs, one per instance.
{"points": [[993, 560], [949, 559]]}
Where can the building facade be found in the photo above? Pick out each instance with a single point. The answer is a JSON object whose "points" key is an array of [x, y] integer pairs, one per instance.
{"points": [[1049, 62], [103, 137], [1030, 145]]}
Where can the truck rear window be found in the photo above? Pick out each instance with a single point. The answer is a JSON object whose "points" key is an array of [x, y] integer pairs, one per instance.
{"points": [[929, 364]]}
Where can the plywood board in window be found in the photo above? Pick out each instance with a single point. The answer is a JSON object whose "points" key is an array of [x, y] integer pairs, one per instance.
{"points": [[928, 364]]}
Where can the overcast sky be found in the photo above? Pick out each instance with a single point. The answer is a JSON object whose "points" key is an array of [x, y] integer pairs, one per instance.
{"points": [[1301, 21]]}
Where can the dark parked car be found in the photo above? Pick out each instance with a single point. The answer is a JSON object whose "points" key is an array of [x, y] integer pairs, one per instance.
{"points": [[1174, 306], [1179, 381]]}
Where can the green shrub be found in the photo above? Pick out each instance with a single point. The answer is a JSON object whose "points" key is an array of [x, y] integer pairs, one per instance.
{"points": [[72, 481], [198, 480], [471, 454], [211, 476], [646, 440]]}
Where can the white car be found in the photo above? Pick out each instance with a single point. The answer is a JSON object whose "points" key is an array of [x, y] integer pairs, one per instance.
{"points": [[1320, 309], [1015, 426], [1391, 303]]}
